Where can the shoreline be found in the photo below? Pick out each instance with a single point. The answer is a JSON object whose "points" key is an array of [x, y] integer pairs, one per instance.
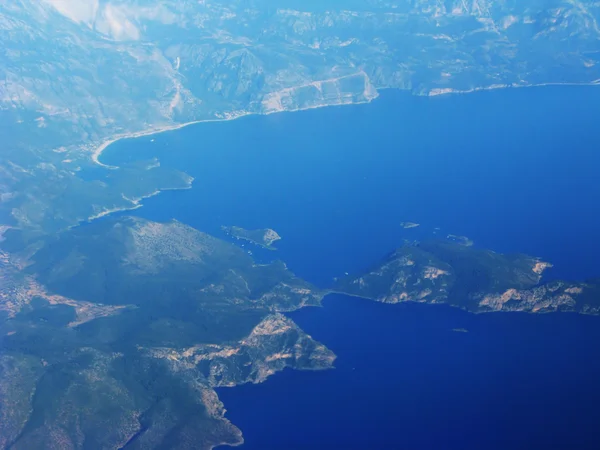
{"points": [[225, 117], [137, 202], [437, 92], [95, 156], [97, 153], [493, 87]]}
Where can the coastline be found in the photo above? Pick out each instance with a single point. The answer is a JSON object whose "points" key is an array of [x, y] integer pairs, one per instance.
{"points": [[117, 151], [106, 212], [446, 91], [223, 117], [137, 202], [95, 156], [137, 134]]}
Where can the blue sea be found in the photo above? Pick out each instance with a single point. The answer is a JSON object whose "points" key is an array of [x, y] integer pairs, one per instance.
{"points": [[514, 170]]}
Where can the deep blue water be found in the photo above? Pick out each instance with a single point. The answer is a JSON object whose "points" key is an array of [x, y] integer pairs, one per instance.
{"points": [[405, 380], [514, 170]]}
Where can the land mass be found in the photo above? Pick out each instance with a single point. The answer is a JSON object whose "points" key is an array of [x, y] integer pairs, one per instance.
{"points": [[263, 237], [142, 74], [117, 333], [476, 280], [407, 225]]}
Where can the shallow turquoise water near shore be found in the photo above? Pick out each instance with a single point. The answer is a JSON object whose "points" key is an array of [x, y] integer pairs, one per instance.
{"points": [[514, 170]]}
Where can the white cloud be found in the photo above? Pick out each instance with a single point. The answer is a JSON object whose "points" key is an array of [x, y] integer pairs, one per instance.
{"points": [[115, 23], [80, 11], [117, 19]]}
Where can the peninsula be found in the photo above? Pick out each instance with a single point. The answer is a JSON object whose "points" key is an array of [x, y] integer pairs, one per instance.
{"points": [[264, 237], [473, 279]]}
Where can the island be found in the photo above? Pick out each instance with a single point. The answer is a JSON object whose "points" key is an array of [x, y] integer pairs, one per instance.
{"points": [[407, 225], [473, 279], [264, 237]]}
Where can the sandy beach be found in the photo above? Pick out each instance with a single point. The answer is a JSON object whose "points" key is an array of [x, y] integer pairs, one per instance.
{"points": [[272, 101]]}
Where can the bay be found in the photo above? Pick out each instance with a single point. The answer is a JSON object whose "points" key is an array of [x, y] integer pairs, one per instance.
{"points": [[514, 170]]}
